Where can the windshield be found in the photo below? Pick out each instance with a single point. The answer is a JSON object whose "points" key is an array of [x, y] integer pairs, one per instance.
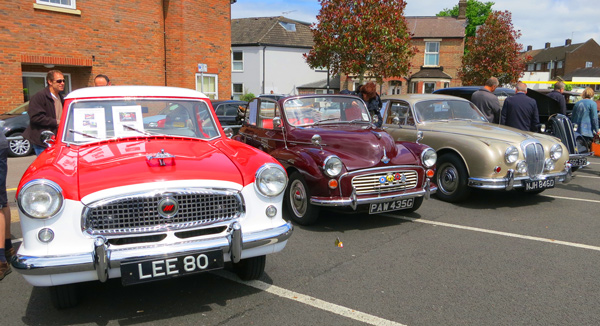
{"points": [[306, 111], [91, 121], [20, 109], [447, 110]]}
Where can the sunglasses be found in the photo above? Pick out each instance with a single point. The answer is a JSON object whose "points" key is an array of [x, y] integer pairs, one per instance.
{"points": [[60, 81]]}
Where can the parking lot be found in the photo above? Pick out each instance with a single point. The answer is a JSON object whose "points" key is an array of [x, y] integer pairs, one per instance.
{"points": [[499, 258]]}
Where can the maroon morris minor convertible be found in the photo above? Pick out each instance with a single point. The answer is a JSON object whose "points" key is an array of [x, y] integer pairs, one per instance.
{"points": [[335, 157]]}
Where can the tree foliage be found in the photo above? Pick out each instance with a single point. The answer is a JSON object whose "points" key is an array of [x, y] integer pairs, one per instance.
{"points": [[363, 38], [477, 13], [494, 51]]}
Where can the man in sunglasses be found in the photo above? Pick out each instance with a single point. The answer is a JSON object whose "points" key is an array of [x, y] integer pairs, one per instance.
{"points": [[45, 110]]}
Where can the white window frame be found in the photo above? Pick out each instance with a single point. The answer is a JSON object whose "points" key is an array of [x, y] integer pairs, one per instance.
{"points": [[234, 94], [200, 86], [559, 64], [538, 66], [531, 67], [550, 65], [425, 87], [429, 54], [72, 4], [588, 64], [233, 61]]}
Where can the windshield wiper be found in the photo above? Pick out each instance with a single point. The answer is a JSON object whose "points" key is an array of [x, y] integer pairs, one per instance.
{"points": [[83, 134], [136, 130], [324, 120]]}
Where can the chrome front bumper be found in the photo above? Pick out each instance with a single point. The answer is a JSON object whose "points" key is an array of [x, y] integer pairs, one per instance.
{"points": [[510, 182], [353, 201], [573, 157], [103, 257]]}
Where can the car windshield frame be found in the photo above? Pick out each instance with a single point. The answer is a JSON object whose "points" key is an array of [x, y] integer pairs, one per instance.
{"points": [[96, 120], [16, 110], [317, 110], [432, 110]]}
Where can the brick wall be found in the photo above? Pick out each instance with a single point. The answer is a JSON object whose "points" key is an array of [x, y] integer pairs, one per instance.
{"points": [[122, 39], [589, 51]]}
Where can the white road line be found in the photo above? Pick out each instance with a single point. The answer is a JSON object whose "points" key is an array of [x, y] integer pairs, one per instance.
{"points": [[586, 176], [576, 199], [506, 234], [310, 301]]}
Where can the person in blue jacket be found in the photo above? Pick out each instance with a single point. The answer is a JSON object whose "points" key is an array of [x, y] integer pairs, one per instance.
{"points": [[585, 115]]}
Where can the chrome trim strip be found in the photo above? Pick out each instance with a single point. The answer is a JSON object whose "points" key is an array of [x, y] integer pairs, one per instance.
{"points": [[509, 182], [48, 265], [353, 201]]}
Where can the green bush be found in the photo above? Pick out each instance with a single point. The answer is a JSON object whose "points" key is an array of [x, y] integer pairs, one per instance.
{"points": [[247, 97]]}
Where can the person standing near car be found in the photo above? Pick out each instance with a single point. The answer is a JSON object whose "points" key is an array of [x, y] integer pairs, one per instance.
{"points": [[585, 115], [45, 109], [369, 94], [520, 111], [6, 249], [557, 94], [487, 102], [101, 80]]}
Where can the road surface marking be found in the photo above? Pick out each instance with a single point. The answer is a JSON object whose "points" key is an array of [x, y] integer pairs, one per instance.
{"points": [[572, 198], [310, 301], [586, 176], [506, 234]]}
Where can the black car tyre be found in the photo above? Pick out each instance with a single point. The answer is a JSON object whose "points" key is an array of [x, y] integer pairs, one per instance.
{"points": [[64, 296], [19, 148], [297, 201], [250, 268], [451, 178]]}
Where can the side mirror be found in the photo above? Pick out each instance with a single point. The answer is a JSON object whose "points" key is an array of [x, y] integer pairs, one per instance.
{"points": [[228, 132], [277, 122], [419, 136], [47, 137]]}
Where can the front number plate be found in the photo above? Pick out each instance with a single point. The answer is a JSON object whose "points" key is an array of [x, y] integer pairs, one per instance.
{"points": [[577, 162], [157, 269], [539, 184], [393, 205]]}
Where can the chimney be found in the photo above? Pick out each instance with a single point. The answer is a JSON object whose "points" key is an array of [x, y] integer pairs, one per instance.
{"points": [[568, 42], [547, 45], [462, 9], [529, 48]]}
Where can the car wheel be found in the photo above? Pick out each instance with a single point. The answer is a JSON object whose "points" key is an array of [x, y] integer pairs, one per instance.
{"points": [[250, 268], [19, 148], [418, 201], [64, 296], [297, 201], [451, 179]]}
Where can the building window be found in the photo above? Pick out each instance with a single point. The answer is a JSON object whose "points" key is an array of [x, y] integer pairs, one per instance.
{"points": [[413, 87], [446, 85], [588, 64], [238, 61], [324, 91], [538, 66], [34, 82], [428, 88], [208, 84], [550, 65], [58, 3], [237, 91], [530, 67], [432, 53], [559, 64], [290, 27]]}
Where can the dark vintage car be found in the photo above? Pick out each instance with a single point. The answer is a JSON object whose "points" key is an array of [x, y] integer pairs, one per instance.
{"points": [[335, 157], [15, 122], [552, 123], [229, 112]]}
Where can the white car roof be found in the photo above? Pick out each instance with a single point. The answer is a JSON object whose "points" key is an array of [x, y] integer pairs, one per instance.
{"points": [[134, 91]]}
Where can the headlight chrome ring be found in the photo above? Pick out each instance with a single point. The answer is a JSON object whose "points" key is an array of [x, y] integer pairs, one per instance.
{"points": [[40, 199], [270, 180], [332, 166], [556, 152], [511, 154], [429, 157]]}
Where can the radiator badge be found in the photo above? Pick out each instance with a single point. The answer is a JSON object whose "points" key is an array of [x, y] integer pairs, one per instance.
{"points": [[168, 207]]}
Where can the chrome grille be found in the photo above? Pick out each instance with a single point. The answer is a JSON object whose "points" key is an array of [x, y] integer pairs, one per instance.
{"points": [[370, 184], [534, 157], [137, 214], [567, 135]]}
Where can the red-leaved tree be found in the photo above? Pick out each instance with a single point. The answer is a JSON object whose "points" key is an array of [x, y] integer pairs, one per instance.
{"points": [[493, 52], [366, 38]]}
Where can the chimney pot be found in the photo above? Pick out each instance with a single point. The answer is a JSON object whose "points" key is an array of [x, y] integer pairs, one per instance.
{"points": [[529, 48], [568, 42], [547, 45], [462, 9]]}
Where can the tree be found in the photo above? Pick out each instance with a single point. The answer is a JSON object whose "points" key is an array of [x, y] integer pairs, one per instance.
{"points": [[494, 51], [363, 38], [477, 13]]}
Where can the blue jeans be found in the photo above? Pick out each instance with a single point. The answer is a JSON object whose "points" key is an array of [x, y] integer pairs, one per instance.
{"points": [[38, 149]]}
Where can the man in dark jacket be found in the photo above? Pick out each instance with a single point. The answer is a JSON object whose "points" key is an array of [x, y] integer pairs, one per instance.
{"points": [[520, 111], [487, 102], [557, 94], [45, 109]]}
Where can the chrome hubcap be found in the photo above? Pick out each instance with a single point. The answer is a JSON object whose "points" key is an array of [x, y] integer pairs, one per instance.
{"points": [[448, 180], [298, 198]]}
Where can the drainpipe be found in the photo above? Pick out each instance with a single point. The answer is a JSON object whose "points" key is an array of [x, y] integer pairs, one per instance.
{"points": [[264, 69], [165, 40]]}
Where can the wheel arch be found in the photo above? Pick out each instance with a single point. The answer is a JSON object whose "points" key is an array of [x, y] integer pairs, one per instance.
{"points": [[444, 151]]}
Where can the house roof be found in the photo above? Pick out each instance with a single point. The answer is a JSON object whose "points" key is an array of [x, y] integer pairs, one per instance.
{"points": [[270, 31], [556, 53], [434, 72], [432, 26], [334, 83], [583, 72]]}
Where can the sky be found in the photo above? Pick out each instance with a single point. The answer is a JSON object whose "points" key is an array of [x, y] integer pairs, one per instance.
{"points": [[539, 21]]}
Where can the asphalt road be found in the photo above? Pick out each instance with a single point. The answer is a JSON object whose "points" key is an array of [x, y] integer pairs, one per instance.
{"points": [[500, 258]]}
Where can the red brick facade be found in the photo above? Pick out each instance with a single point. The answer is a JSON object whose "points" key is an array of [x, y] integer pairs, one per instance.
{"points": [[125, 40]]}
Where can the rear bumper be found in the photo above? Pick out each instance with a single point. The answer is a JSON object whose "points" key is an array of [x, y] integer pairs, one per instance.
{"points": [[510, 182]]}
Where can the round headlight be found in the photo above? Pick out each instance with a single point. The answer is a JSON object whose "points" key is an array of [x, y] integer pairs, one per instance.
{"points": [[556, 152], [271, 180], [428, 157], [332, 166], [511, 155], [40, 199], [522, 167]]}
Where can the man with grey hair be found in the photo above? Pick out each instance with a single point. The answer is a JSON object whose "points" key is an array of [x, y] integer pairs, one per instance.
{"points": [[557, 94], [520, 111], [487, 102]]}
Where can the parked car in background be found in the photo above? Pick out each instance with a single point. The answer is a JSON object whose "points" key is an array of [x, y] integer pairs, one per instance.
{"points": [[116, 198], [15, 122], [552, 123], [335, 157], [275, 97], [229, 112], [473, 153]]}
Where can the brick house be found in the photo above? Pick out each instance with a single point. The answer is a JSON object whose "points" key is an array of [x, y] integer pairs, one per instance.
{"points": [[136, 42], [552, 63]]}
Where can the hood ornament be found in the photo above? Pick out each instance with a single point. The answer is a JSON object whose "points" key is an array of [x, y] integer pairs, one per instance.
{"points": [[385, 159], [161, 156]]}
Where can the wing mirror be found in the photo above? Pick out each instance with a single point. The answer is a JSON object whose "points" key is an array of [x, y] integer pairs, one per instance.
{"points": [[316, 140], [228, 132], [47, 137], [419, 136], [277, 122]]}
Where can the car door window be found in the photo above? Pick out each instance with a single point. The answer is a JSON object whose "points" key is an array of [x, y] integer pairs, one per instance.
{"points": [[268, 111], [231, 110], [400, 111], [251, 112]]}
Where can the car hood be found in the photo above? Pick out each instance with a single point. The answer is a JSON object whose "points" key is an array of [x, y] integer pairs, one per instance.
{"points": [[116, 164], [481, 130], [359, 147]]}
